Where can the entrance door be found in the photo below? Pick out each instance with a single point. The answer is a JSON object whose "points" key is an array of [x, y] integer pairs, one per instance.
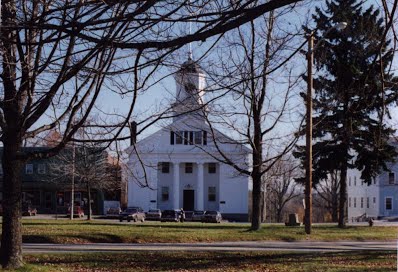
{"points": [[189, 200]]}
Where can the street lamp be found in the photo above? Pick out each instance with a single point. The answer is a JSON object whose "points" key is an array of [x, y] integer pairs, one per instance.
{"points": [[308, 151]]}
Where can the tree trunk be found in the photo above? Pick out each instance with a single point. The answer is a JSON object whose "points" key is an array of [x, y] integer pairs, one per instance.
{"points": [[11, 239], [279, 215], [257, 201], [343, 196]]}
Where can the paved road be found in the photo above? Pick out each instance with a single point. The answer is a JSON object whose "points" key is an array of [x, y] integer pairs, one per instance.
{"points": [[224, 246]]}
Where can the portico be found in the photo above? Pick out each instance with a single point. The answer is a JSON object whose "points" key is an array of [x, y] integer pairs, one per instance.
{"points": [[186, 183]]}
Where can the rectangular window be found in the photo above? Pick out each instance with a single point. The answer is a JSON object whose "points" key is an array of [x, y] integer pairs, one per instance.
{"points": [[355, 202], [179, 137], [31, 197], [388, 203], [191, 137], [188, 167], [374, 181], [41, 169], [212, 168], [186, 137], [361, 202], [349, 181], [391, 178], [212, 194], [165, 193], [349, 202], [29, 169], [165, 167], [204, 137], [172, 137], [374, 200], [355, 181], [60, 198], [198, 137], [367, 202]]}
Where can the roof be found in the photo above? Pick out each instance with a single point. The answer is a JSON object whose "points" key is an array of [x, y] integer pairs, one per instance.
{"points": [[190, 66]]}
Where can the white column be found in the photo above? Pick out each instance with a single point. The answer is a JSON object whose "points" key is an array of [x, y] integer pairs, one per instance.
{"points": [[199, 188], [176, 185]]}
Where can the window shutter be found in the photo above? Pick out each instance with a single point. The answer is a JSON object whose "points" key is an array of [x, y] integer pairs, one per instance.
{"points": [[172, 137]]}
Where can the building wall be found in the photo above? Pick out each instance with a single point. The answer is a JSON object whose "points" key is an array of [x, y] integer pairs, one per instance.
{"points": [[359, 193], [388, 190]]}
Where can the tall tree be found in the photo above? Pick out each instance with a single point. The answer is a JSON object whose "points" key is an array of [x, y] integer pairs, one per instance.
{"points": [[253, 108], [58, 55], [352, 92]]}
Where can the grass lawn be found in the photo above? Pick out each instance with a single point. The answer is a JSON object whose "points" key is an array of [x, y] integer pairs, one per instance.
{"points": [[80, 231], [215, 261]]}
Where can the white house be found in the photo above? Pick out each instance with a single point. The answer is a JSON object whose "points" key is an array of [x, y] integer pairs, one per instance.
{"points": [[179, 166], [378, 200], [363, 199]]}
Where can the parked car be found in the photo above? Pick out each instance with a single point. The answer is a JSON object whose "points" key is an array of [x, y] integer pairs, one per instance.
{"points": [[197, 216], [113, 212], [77, 211], [27, 209], [154, 214], [170, 216], [212, 217], [132, 213]]}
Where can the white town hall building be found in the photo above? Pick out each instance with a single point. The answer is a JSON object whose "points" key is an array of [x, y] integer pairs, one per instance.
{"points": [[180, 163]]}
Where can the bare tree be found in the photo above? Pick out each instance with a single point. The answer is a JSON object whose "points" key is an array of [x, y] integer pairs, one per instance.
{"points": [[59, 55], [253, 108], [328, 192], [89, 168], [280, 186]]}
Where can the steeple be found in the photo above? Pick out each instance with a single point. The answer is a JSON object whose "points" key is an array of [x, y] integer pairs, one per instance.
{"points": [[190, 83]]}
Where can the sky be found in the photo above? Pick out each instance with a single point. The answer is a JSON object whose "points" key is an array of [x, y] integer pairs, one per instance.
{"points": [[162, 93]]}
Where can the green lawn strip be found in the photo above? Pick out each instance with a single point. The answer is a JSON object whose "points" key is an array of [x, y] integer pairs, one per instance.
{"points": [[65, 231], [214, 261]]}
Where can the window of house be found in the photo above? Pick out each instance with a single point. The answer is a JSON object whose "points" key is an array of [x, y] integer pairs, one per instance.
{"points": [[355, 181], [391, 178], [186, 137], [172, 137], [165, 167], [29, 169], [374, 180], [388, 203], [349, 202], [367, 202], [212, 193], [179, 137], [165, 193], [361, 202], [204, 137], [198, 137], [374, 200], [188, 167], [355, 202], [31, 197], [41, 168], [212, 168], [349, 181], [60, 198]]}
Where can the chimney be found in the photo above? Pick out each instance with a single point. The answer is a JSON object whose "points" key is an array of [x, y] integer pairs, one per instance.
{"points": [[133, 133]]}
